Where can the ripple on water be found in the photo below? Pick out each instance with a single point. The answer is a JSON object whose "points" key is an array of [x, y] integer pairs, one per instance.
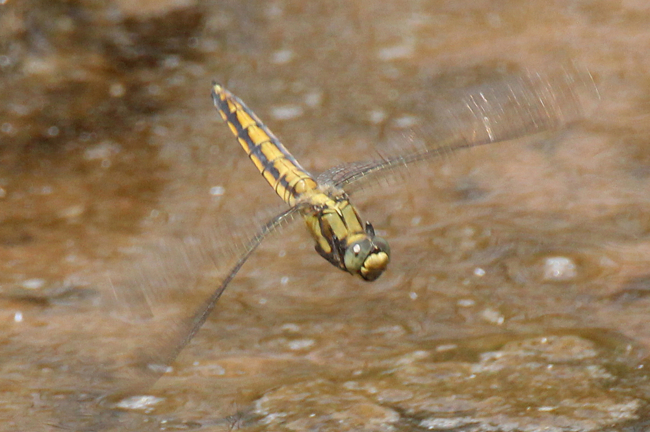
{"points": [[541, 383]]}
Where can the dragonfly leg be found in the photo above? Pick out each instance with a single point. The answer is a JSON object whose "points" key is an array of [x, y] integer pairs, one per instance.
{"points": [[370, 230]]}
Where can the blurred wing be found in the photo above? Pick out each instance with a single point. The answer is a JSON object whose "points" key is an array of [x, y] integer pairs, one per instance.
{"points": [[515, 107], [164, 299]]}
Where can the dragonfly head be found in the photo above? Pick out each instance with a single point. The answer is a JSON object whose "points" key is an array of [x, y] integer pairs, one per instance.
{"points": [[368, 257]]}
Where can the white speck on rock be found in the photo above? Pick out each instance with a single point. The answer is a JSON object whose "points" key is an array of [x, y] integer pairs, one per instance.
{"points": [[139, 402], [301, 344], [492, 316], [282, 56], [217, 190], [33, 284], [560, 269], [396, 52], [286, 112]]}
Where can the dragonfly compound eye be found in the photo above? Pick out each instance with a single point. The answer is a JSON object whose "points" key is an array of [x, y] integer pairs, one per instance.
{"points": [[367, 257]]}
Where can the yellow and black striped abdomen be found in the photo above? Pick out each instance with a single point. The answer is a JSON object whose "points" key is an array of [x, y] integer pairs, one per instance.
{"points": [[275, 163]]}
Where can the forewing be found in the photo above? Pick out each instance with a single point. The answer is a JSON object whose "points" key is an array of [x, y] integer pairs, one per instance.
{"points": [[164, 296], [514, 107]]}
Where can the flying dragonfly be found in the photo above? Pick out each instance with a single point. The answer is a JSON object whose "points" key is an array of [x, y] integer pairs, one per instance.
{"points": [[519, 106]]}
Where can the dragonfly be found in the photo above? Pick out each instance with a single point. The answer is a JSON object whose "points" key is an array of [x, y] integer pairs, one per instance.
{"points": [[518, 106]]}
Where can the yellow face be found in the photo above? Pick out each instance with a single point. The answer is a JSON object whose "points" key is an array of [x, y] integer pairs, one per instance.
{"points": [[367, 257]]}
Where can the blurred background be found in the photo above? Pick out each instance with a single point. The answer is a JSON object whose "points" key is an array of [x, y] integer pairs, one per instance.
{"points": [[518, 293]]}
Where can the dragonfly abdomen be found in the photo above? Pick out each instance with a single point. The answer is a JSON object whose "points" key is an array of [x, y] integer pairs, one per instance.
{"points": [[272, 159]]}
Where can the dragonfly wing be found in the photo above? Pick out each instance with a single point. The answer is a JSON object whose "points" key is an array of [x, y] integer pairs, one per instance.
{"points": [[159, 302], [512, 108], [202, 314]]}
